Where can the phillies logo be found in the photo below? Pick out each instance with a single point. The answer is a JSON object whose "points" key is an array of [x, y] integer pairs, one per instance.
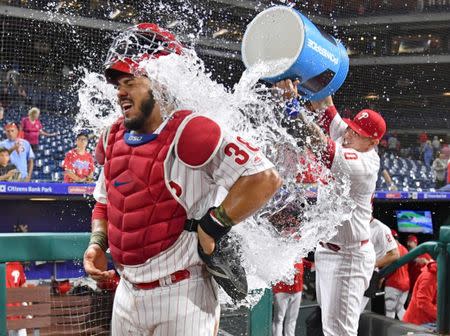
{"points": [[363, 115], [176, 188]]}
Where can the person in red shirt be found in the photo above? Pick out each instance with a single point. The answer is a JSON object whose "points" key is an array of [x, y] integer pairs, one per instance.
{"points": [[287, 299], [397, 286], [422, 308], [15, 277], [78, 163], [32, 128], [415, 266]]}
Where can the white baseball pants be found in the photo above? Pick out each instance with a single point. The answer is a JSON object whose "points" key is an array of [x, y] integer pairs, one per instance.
{"points": [[285, 313], [394, 300], [187, 308], [341, 280]]}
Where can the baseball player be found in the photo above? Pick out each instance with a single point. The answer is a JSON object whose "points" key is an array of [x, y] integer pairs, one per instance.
{"points": [[161, 207], [397, 286], [423, 306], [286, 302], [15, 277], [344, 265], [386, 251]]}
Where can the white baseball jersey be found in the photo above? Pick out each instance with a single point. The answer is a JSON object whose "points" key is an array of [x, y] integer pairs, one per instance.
{"points": [[362, 170], [381, 238], [202, 188]]}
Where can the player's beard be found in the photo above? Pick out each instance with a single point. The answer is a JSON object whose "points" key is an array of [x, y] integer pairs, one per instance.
{"points": [[146, 108]]}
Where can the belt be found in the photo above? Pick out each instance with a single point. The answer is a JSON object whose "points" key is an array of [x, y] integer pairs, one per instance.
{"points": [[191, 225], [166, 281], [335, 247]]}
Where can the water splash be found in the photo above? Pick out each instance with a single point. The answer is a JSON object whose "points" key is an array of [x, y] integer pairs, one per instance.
{"points": [[254, 112]]}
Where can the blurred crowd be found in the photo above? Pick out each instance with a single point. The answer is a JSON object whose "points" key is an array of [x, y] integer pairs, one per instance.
{"points": [[432, 151]]}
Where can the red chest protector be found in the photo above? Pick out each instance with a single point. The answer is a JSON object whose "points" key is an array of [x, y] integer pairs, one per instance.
{"points": [[143, 217]]}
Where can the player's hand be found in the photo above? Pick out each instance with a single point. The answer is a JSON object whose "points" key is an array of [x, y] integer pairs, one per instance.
{"points": [[288, 88], [96, 264], [322, 104], [206, 241]]}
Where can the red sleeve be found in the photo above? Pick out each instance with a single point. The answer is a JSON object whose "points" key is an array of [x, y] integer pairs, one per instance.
{"points": [[327, 117], [100, 151], [328, 154], [100, 211], [67, 163], [426, 291]]}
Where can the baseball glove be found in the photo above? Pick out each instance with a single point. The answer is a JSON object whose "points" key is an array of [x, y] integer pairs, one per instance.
{"points": [[225, 266], [225, 262], [374, 285]]}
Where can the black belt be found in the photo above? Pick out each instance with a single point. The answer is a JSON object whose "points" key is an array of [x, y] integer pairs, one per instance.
{"points": [[191, 225]]}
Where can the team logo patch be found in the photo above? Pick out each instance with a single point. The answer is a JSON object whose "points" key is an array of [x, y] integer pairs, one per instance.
{"points": [[350, 156], [176, 187], [363, 115]]}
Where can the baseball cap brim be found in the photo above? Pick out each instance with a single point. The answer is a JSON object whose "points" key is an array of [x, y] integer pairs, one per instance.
{"points": [[356, 128]]}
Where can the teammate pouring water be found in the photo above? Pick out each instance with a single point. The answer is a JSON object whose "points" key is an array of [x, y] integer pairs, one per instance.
{"points": [[344, 264]]}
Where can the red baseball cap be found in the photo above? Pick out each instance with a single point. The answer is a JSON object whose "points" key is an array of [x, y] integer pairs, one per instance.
{"points": [[368, 123], [394, 233], [413, 238]]}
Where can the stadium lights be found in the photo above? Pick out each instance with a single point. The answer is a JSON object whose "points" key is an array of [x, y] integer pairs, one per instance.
{"points": [[42, 199], [447, 94], [173, 24], [372, 96], [114, 14], [220, 32]]}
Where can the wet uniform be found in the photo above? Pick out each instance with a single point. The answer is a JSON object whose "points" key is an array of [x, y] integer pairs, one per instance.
{"points": [[344, 265], [188, 306]]}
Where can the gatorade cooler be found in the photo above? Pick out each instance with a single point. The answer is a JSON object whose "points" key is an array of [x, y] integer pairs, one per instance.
{"points": [[318, 60]]}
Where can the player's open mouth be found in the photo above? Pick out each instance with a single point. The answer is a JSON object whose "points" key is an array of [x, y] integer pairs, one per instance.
{"points": [[126, 106]]}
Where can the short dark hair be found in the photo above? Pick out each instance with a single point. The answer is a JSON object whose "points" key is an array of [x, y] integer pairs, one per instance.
{"points": [[3, 149], [85, 134]]}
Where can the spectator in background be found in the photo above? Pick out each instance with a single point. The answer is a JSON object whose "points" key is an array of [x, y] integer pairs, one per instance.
{"points": [[423, 306], [15, 277], [393, 143], [439, 169], [415, 266], [423, 137], [78, 163], [436, 143], [32, 127], [427, 153], [8, 171], [2, 112], [20, 151], [13, 92], [397, 286]]}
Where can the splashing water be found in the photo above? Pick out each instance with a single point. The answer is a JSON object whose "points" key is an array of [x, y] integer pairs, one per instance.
{"points": [[254, 112]]}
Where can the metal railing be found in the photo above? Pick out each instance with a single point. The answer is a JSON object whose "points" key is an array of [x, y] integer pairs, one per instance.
{"points": [[440, 251]]}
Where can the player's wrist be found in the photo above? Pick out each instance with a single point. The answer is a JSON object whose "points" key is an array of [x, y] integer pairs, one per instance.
{"points": [[100, 239], [216, 223]]}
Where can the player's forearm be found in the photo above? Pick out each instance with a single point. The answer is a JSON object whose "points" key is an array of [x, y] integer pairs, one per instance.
{"points": [[250, 193], [388, 259]]}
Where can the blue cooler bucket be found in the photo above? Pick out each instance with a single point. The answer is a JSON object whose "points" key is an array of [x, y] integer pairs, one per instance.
{"points": [[312, 56]]}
